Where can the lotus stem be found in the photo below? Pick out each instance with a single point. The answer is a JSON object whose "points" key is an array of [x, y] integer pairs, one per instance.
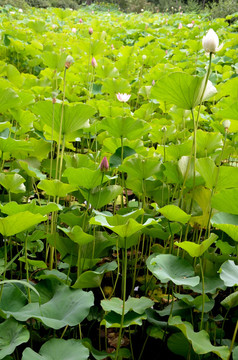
{"points": [[123, 299]]}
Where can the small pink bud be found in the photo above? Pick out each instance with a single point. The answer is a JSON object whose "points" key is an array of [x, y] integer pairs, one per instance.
{"points": [[193, 21], [80, 21], [74, 30], [153, 82], [104, 166], [92, 12], [90, 31], [94, 62], [180, 26], [112, 47], [166, 52]]}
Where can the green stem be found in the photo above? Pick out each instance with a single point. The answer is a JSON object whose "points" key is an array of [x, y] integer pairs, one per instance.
{"points": [[203, 292], [233, 340], [194, 157], [27, 271], [205, 85], [61, 125], [123, 300]]}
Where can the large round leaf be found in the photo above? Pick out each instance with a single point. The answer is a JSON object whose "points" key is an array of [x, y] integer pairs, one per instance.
{"points": [[66, 307], [200, 340], [12, 334], [17, 223], [166, 267], [58, 349], [75, 117], [229, 273], [181, 89]]}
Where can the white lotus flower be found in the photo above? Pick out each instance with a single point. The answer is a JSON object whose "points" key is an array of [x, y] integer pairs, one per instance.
{"points": [[210, 91], [123, 97], [210, 42]]}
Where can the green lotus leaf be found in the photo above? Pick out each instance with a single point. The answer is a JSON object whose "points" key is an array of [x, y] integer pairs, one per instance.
{"points": [[174, 213], [56, 187], [14, 224], [200, 340], [196, 250], [58, 349], [132, 304], [166, 267], [229, 273], [63, 306], [12, 335], [75, 116], [92, 279], [13, 183]]}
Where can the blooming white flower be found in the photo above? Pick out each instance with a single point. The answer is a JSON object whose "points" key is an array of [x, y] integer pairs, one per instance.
{"points": [[20, 11], [144, 57], [210, 42], [190, 25], [123, 97], [74, 30]]}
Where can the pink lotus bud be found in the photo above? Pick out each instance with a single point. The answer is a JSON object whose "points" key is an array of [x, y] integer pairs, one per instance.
{"points": [[180, 26], [181, 13], [104, 166], [112, 47], [153, 82], [92, 12], [166, 52], [69, 61], [94, 62], [80, 21], [90, 31], [193, 22], [74, 30]]}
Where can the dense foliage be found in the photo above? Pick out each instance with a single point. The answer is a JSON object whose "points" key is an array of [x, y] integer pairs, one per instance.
{"points": [[119, 186]]}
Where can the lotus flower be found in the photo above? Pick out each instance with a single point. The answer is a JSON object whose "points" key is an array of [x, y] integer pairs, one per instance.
{"points": [[123, 97], [190, 25], [210, 42], [80, 21], [90, 31], [180, 26], [74, 30], [104, 166]]}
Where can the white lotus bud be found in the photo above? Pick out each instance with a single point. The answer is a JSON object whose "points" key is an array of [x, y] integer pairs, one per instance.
{"points": [[226, 124], [210, 42]]}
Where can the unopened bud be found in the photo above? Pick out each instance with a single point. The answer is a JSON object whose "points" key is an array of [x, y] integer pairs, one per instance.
{"points": [[80, 21], [144, 57], [94, 62], [153, 82], [104, 166], [164, 129], [226, 124], [69, 61], [90, 31]]}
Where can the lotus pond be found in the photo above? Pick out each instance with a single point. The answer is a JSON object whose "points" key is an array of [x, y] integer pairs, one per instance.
{"points": [[119, 186]]}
